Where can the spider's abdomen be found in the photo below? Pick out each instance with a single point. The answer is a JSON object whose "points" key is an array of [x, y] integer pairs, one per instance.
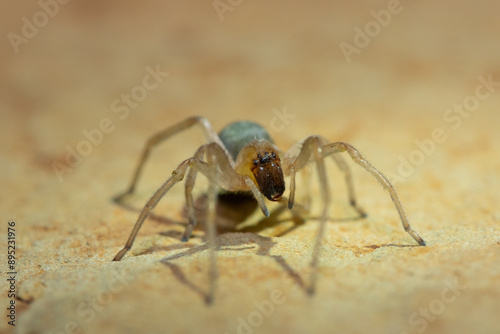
{"points": [[236, 135]]}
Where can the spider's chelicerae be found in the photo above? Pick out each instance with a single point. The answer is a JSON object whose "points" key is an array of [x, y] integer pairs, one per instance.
{"points": [[242, 158]]}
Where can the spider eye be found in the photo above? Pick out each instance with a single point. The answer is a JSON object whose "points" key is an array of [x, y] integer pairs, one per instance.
{"points": [[273, 155], [255, 162], [259, 156]]}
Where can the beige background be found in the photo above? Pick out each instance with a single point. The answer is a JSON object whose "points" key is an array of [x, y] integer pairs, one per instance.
{"points": [[263, 57]]}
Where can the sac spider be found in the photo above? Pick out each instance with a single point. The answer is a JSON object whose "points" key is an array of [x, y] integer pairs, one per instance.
{"points": [[242, 158]]}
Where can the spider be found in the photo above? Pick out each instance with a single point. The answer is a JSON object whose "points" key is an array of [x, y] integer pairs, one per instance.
{"points": [[242, 158]]}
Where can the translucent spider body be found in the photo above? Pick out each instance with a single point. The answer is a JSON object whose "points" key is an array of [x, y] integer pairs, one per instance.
{"points": [[243, 158]]}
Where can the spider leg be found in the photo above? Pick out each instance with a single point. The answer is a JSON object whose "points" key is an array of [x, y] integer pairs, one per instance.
{"points": [[341, 164], [305, 204], [291, 195], [220, 171], [306, 185], [230, 180], [210, 134], [177, 175], [190, 180], [384, 181], [210, 224], [313, 146], [350, 184]]}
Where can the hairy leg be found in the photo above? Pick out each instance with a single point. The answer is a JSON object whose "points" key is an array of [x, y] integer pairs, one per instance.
{"points": [[190, 180], [383, 180], [220, 172], [349, 182], [312, 148], [177, 176], [210, 224], [210, 134]]}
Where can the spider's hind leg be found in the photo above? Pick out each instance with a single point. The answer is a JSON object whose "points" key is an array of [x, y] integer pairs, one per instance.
{"points": [[161, 136]]}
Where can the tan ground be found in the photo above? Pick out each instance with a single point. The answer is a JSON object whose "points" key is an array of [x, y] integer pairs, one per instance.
{"points": [[262, 59]]}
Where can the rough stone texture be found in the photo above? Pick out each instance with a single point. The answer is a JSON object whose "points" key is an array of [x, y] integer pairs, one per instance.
{"points": [[263, 57]]}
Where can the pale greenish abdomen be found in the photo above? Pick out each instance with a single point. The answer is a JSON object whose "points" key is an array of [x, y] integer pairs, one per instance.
{"points": [[236, 135]]}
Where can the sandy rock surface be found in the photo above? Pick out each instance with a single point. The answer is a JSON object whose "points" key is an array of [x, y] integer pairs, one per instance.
{"points": [[415, 86]]}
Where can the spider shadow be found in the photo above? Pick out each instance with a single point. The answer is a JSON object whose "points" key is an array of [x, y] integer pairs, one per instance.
{"points": [[391, 245], [298, 220], [230, 212], [228, 242], [158, 218]]}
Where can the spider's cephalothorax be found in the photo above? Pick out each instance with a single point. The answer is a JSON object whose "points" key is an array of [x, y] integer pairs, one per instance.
{"points": [[256, 156]]}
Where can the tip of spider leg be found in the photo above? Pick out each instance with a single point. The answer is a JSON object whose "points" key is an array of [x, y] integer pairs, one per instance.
{"points": [[360, 211], [120, 199], [117, 258], [184, 239], [117, 199], [311, 290], [209, 300], [266, 212], [418, 239]]}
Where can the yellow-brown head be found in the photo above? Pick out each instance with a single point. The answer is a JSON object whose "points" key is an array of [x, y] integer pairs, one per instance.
{"points": [[260, 160], [268, 174]]}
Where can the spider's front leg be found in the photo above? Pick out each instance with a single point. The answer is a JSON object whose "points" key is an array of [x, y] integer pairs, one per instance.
{"points": [[210, 227], [381, 178], [177, 175], [224, 173], [344, 168], [189, 185], [220, 172], [341, 164], [312, 146], [229, 180]]}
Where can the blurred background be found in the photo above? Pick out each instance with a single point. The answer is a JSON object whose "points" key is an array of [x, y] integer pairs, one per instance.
{"points": [[337, 65], [83, 84]]}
